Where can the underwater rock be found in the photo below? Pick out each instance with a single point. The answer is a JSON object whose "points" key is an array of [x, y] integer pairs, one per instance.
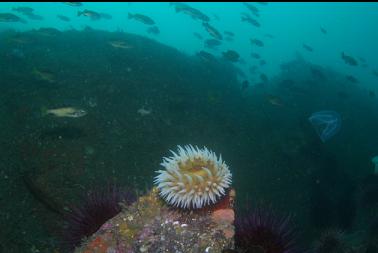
{"points": [[321, 208], [94, 209], [196, 218], [369, 191], [149, 225], [63, 132]]}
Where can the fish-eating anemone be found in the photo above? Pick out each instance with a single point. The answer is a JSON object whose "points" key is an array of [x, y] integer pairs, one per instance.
{"points": [[261, 230], [98, 206], [193, 178]]}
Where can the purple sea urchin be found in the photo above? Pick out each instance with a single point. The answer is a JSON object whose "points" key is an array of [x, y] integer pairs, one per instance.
{"points": [[263, 231], [331, 241], [193, 178], [95, 209]]}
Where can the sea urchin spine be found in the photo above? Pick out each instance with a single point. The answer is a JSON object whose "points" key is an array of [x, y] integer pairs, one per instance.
{"points": [[94, 210], [263, 231]]}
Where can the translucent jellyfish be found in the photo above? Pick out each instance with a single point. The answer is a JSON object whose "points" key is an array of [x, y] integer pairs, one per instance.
{"points": [[326, 123], [374, 160]]}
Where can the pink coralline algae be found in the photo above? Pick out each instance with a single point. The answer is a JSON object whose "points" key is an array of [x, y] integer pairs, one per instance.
{"points": [[150, 225]]}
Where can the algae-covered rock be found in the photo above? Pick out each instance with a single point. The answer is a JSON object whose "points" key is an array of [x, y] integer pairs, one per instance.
{"points": [[149, 225]]}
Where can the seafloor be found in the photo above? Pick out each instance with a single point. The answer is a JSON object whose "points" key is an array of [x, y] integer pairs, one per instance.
{"points": [[262, 132]]}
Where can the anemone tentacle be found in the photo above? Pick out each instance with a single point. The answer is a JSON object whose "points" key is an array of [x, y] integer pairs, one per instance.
{"points": [[193, 177]]}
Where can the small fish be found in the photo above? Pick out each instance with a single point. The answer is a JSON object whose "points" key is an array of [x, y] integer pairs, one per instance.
{"points": [[63, 18], [257, 42], [361, 59], [74, 4], [19, 39], [91, 14], [229, 38], [141, 18], [268, 35], [198, 36], [179, 5], [262, 62], [253, 9], [120, 44], [250, 20], [275, 100], [105, 15], [349, 59], [231, 55], [263, 77], [317, 73], [192, 12], [48, 31], [69, 112], [255, 55], [144, 112], [9, 17], [23, 10], [307, 47], [212, 31], [206, 56], [33, 16], [216, 17], [88, 28], [211, 43], [324, 31], [228, 33], [154, 30], [44, 75], [351, 79]]}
